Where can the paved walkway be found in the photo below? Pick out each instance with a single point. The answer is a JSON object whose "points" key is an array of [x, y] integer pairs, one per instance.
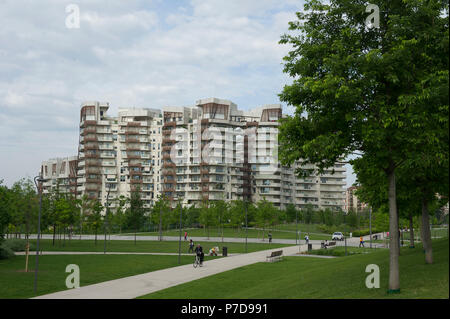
{"points": [[139, 285], [101, 253], [354, 241]]}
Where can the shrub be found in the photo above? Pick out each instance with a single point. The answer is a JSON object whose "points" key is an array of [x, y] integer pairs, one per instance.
{"points": [[16, 244], [5, 252]]}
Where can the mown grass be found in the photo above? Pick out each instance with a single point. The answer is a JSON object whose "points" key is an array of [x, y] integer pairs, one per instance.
{"points": [[280, 232], [15, 283], [146, 246], [317, 278]]}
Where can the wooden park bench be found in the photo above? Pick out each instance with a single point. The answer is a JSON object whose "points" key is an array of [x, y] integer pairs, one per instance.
{"points": [[275, 255], [331, 243]]}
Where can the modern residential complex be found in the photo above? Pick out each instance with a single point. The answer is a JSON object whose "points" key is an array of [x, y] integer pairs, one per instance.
{"points": [[208, 151]]}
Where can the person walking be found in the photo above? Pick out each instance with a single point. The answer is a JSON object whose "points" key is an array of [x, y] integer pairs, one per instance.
{"points": [[191, 246], [185, 235], [270, 237], [361, 241]]}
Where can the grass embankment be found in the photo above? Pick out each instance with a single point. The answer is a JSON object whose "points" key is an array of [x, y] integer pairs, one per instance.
{"points": [[146, 246], [317, 278], [15, 283]]}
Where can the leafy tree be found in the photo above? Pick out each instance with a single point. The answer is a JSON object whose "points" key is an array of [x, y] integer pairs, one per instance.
{"points": [[237, 214], [160, 214], [95, 216], [308, 214], [220, 210], [265, 215], [291, 213], [208, 216], [136, 211], [192, 216], [377, 93], [119, 217], [5, 217]]}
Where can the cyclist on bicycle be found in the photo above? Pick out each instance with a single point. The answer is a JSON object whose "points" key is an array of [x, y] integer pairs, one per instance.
{"points": [[199, 252]]}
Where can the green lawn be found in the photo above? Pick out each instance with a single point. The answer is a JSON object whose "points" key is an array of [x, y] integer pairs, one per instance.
{"points": [[316, 278], [148, 246], [341, 251], [15, 283], [286, 232]]}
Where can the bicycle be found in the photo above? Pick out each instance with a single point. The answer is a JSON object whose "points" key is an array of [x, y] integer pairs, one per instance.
{"points": [[197, 261]]}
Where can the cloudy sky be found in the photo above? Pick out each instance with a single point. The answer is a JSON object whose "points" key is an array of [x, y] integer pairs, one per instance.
{"points": [[149, 53]]}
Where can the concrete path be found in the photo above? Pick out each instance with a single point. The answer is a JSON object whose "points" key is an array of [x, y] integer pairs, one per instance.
{"points": [[354, 241], [22, 253], [139, 285]]}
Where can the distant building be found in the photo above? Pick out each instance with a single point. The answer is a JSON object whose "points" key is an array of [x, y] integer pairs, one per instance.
{"points": [[352, 202], [61, 174]]}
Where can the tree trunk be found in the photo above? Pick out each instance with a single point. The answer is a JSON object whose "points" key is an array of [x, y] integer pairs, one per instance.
{"points": [[398, 231], [394, 276], [426, 234], [96, 236], [27, 251], [411, 232], [54, 234], [64, 241]]}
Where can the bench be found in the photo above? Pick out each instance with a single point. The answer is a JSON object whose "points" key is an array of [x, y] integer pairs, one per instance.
{"points": [[275, 255], [331, 243]]}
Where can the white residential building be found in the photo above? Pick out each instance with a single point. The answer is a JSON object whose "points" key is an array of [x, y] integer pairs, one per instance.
{"points": [[207, 151]]}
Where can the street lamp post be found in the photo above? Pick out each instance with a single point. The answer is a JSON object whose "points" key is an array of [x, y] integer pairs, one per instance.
{"points": [[38, 179], [246, 226], [370, 225], [296, 228], [107, 211], [179, 242], [160, 219]]}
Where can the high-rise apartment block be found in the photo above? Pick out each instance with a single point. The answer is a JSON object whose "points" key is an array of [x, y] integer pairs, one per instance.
{"points": [[205, 152]]}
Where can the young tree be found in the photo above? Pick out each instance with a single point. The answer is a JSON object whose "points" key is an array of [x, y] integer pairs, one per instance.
{"points": [[95, 217], [220, 210], [265, 215], [207, 216], [5, 217], [237, 214], [372, 92], [119, 217], [291, 213], [160, 214], [136, 211]]}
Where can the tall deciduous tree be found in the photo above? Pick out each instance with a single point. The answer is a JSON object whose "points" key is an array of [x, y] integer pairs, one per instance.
{"points": [[375, 92]]}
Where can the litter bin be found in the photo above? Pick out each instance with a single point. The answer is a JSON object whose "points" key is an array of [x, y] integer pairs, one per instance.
{"points": [[309, 247], [224, 251]]}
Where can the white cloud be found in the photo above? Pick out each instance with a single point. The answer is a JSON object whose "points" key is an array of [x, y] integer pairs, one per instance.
{"points": [[130, 53]]}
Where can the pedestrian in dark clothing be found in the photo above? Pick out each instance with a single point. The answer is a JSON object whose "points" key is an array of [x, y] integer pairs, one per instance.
{"points": [[191, 246], [270, 237]]}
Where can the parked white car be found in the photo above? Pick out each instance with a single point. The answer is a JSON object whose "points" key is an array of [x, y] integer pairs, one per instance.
{"points": [[337, 236]]}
